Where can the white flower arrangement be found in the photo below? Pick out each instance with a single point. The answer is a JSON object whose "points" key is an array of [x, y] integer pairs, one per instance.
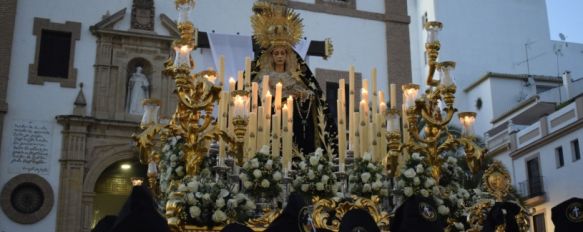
{"points": [[315, 176], [171, 166], [209, 203], [261, 176], [367, 179]]}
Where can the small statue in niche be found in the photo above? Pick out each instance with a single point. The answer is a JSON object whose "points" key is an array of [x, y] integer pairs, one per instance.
{"points": [[138, 90]]}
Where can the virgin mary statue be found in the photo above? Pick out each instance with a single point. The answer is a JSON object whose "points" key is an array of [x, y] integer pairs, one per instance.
{"points": [[276, 30]]}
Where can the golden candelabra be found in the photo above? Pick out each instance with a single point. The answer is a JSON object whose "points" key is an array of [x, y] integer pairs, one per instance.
{"points": [[426, 111]]}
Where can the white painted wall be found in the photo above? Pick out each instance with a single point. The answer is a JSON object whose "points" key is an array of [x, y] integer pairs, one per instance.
{"points": [[356, 41], [485, 114]]}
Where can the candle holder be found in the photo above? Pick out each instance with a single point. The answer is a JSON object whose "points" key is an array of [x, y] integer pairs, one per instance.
{"points": [[343, 178], [240, 124]]}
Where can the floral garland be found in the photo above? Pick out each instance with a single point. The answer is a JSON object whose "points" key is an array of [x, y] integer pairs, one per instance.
{"points": [[366, 178], [209, 203], [449, 196], [315, 176], [261, 175]]}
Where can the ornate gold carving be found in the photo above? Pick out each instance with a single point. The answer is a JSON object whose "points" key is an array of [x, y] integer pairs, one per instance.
{"points": [[276, 25], [323, 211], [496, 180]]}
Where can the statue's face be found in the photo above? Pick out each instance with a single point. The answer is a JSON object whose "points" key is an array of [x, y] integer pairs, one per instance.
{"points": [[279, 55]]}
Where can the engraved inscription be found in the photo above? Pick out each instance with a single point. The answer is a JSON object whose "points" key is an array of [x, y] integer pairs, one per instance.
{"points": [[30, 147]]}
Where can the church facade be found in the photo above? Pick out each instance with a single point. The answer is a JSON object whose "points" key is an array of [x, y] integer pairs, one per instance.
{"points": [[71, 75]]}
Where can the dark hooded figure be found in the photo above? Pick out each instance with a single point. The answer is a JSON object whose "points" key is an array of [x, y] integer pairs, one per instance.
{"points": [[139, 214], [568, 216], [236, 227], [502, 213], [417, 213], [105, 224], [358, 220], [288, 220]]}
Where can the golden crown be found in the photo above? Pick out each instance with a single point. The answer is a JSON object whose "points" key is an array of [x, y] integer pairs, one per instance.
{"points": [[276, 25]]}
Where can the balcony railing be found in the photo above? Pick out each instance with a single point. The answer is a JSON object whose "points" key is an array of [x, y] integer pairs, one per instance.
{"points": [[532, 187]]}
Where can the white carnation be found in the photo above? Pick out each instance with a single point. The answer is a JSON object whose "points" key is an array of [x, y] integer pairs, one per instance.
{"points": [[459, 226], [264, 150], [219, 216], [206, 196], [366, 188], [409, 173], [416, 181], [257, 173], [429, 182], [320, 167], [232, 203], [166, 148], [408, 191], [313, 161], [250, 205], [416, 156], [190, 198], [265, 183], [438, 200], [319, 151], [254, 163], [220, 203], [180, 171], [443, 210], [194, 211], [277, 176], [451, 160], [370, 166], [243, 177], [365, 177], [424, 193], [311, 175], [401, 183], [303, 165], [384, 192], [319, 186], [419, 168], [325, 178], [367, 156], [305, 187], [247, 184], [182, 188], [193, 186], [173, 158], [376, 185], [269, 164]]}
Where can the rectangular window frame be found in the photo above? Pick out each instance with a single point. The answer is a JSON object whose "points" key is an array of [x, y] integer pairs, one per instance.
{"points": [[559, 157], [74, 28], [575, 150]]}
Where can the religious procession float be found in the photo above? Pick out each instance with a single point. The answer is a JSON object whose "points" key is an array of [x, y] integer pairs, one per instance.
{"points": [[238, 154]]}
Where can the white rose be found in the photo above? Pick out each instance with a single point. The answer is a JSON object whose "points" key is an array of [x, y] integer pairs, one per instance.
{"points": [[424, 193], [311, 175], [194, 211], [220, 203], [173, 158], [367, 156], [206, 196], [249, 204], [320, 167], [370, 166], [400, 183], [254, 163], [408, 191], [182, 188], [303, 165], [232, 203], [246, 166], [193, 186], [443, 210], [219, 216], [247, 184], [436, 189], [305, 187], [416, 181], [365, 177], [265, 183], [409, 173], [419, 168], [180, 171], [319, 151], [269, 164], [325, 178], [429, 182], [257, 173], [277, 176], [451, 160], [173, 164], [460, 203], [243, 176], [366, 188], [459, 226], [416, 156], [376, 185], [313, 161], [190, 198], [240, 197], [438, 200], [264, 150], [319, 186], [166, 148]]}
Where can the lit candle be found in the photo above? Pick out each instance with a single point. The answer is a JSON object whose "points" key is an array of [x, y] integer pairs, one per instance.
{"points": [[247, 72], [393, 96], [382, 108], [222, 71], [278, 88], [240, 80], [231, 84], [365, 89], [254, 88], [267, 122], [364, 95], [286, 137], [267, 108], [290, 107], [264, 86]]}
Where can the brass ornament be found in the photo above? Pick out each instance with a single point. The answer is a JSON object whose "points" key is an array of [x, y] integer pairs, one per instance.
{"points": [[276, 25], [496, 180], [324, 216]]}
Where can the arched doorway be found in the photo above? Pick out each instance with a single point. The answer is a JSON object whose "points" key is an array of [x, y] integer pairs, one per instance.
{"points": [[113, 187]]}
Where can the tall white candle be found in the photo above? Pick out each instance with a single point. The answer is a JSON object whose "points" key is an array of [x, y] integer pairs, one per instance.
{"points": [[276, 135], [373, 90], [247, 72], [254, 97], [231, 84], [264, 86], [240, 80], [278, 89], [393, 96], [221, 70], [260, 127]]}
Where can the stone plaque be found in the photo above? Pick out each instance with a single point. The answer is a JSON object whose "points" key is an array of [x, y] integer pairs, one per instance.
{"points": [[30, 147]]}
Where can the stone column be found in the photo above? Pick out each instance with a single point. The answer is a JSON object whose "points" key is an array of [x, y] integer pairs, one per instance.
{"points": [[87, 208], [398, 44], [70, 196], [7, 19]]}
